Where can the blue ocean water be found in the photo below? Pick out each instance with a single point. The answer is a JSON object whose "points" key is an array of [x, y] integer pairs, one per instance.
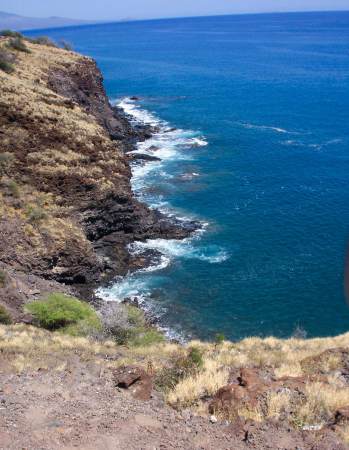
{"points": [[269, 94]]}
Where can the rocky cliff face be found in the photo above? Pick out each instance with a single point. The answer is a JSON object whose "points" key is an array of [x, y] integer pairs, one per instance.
{"points": [[67, 209]]}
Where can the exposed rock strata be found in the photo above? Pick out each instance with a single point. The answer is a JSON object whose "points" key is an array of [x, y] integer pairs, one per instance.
{"points": [[67, 209]]}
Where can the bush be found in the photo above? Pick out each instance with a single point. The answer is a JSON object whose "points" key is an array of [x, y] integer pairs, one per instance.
{"points": [[43, 40], [6, 162], [66, 45], [219, 338], [59, 311], [194, 358], [17, 43], [12, 186], [127, 325], [148, 337], [5, 318], [183, 367], [2, 278], [10, 33], [6, 61], [36, 214]]}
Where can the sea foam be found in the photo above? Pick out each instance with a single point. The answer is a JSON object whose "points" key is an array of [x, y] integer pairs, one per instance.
{"points": [[168, 144]]}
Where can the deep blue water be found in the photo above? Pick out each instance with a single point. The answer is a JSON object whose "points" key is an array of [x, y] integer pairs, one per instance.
{"points": [[270, 95]]}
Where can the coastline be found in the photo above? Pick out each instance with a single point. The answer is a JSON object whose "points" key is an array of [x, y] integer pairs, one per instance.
{"points": [[76, 156], [149, 146]]}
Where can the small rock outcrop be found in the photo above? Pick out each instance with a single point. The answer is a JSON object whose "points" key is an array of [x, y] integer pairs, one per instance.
{"points": [[135, 379]]}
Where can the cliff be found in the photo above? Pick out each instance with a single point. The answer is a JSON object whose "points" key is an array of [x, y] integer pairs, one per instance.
{"points": [[67, 213], [66, 205]]}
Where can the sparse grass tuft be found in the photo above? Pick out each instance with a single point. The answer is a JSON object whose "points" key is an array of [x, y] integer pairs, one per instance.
{"points": [[43, 40], [278, 403], [11, 33], [13, 188], [66, 45], [36, 214], [6, 61], [205, 382], [321, 402], [18, 44], [3, 277], [5, 318], [6, 162], [251, 414]]}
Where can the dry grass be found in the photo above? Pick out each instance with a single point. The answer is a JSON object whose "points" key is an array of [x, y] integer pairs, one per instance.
{"points": [[50, 140], [26, 348], [251, 414], [278, 403], [344, 433], [191, 389], [322, 400]]}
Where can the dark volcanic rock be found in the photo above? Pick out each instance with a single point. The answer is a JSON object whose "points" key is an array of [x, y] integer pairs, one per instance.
{"points": [[142, 157], [69, 145]]}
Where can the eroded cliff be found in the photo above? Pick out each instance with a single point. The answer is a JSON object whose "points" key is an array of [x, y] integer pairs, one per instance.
{"points": [[66, 204]]}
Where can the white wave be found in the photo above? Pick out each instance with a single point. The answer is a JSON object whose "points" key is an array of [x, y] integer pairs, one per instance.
{"points": [[137, 114], [266, 127], [168, 144], [126, 287], [185, 249], [316, 146]]}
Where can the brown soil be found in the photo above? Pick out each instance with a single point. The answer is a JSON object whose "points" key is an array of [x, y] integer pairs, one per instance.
{"points": [[80, 407]]}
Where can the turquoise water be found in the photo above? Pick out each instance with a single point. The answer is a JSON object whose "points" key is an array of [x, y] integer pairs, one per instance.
{"points": [[269, 94]]}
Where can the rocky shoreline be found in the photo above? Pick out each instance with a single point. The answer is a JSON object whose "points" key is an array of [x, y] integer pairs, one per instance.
{"points": [[69, 224]]}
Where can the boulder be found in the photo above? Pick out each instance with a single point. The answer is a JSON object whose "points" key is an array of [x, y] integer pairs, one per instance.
{"points": [[136, 380]]}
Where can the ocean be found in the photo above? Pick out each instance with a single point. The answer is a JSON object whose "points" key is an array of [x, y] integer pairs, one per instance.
{"points": [[253, 117]]}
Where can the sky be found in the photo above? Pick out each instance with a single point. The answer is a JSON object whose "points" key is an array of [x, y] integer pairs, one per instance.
{"points": [[145, 9]]}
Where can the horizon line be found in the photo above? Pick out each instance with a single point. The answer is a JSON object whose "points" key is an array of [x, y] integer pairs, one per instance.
{"points": [[133, 20]]}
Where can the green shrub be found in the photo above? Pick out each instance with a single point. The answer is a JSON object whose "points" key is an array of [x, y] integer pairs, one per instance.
{"points": [[17, 43], [13, 188], [36, 214], [182, 367], [127, 325], [2, 278], [6, 61], [10, 33], [6, 162], [219, 338], [59, 311], [135, 316], [147, 337], [5, 318], [66, 45], [194, 358], [43, 40]]}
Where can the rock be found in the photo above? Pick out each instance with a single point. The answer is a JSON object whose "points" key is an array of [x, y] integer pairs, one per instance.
{"points": [[342, 416], [133, 301], [136, 379], [126, 376], [246, 393], [134, 98], [213, 419], [135, 157]]}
